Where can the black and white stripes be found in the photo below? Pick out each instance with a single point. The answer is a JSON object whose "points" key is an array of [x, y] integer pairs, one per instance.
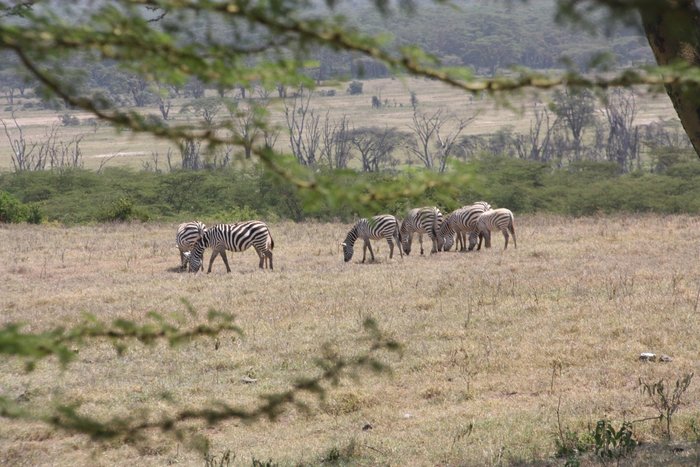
{"points": [[461, 223], [501, 219], [477, 221], [426, 220], [234, 237], [378, 227], [187, 235]]}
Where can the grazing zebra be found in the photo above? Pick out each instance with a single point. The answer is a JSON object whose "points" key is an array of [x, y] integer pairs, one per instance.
{"points": [[187, 235], [496, 219], [461, 222], [233, 237], [378, 227], [420, 220]]}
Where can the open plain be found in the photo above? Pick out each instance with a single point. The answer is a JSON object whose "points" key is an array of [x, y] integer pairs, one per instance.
{"points": [[504, 352]]}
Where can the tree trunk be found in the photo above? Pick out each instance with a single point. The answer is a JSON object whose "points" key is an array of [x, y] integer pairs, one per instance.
{"points": [[673, 30]]}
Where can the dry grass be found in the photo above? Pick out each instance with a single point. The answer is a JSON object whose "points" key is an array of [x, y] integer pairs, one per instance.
{"points": [[134, 149], [492, 339]]}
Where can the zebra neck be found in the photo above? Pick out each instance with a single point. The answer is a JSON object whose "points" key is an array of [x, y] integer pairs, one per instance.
{"points": [[352, 236]]}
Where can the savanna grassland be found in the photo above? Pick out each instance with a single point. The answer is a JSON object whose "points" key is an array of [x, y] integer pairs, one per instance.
{"points": [[502, 350]]}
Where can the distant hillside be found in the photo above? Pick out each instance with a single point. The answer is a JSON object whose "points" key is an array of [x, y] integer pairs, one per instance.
{"points": [[490, 36]]}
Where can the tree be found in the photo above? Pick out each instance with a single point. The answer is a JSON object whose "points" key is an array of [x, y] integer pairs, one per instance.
{"points": [[303, 126], [375, 146], [433, 144], [575, 107], [623, 137]]}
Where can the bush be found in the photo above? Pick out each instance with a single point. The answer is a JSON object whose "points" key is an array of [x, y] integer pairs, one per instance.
{"points": [[355, 88], [11, 209], [122, 210]]}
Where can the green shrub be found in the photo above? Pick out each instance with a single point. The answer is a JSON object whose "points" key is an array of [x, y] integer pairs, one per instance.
{"points": [[121, 210], [11, 209], [34, 215]]}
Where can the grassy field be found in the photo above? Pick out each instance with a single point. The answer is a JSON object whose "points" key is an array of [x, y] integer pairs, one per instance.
{"points": [[501, 348], [101, 145]]}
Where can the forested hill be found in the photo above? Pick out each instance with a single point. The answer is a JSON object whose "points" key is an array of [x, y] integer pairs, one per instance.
{"points": [[491, 36]]}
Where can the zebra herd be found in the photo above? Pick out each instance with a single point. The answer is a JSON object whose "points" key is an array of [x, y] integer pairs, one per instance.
{"points": [[475, 221]]}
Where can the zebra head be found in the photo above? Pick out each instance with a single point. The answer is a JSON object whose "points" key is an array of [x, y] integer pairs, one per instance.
{"points": [[347, 251], [406, 243], [447, 242], [195, 260]]}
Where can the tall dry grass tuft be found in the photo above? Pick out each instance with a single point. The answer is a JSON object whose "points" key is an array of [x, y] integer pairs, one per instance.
{"points": [[500, 347]]}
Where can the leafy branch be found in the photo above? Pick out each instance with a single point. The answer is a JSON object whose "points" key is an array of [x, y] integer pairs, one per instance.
{"points": [[333, 367], [61, 342]]}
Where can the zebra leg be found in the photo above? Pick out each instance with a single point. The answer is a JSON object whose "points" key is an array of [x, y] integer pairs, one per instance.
{"points": [[434, 241], [364, 250], [183, 260], [223, 256], [214, 254], [391, 247], [512, 231], [269, 257], [505, 235], [369, 245], [420, 240], [473, 237]]}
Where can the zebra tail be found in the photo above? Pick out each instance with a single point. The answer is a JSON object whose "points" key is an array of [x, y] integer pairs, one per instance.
{"points": [[511, 227], [271, 243]]}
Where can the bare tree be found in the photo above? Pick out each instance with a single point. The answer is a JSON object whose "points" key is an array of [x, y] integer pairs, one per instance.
{"points": [[336, 142], [576, 109], [51, 152], [303, 126], [263, 93], [191, 154], [623, 137], [245, 124], [432, 144], [22, 150], [536, 145]]}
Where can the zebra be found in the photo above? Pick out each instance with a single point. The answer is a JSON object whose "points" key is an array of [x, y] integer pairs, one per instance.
{"points": [[420, 220], [461, 222], [496, 219], [187, 235], [378, 227], [233, 237]]}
